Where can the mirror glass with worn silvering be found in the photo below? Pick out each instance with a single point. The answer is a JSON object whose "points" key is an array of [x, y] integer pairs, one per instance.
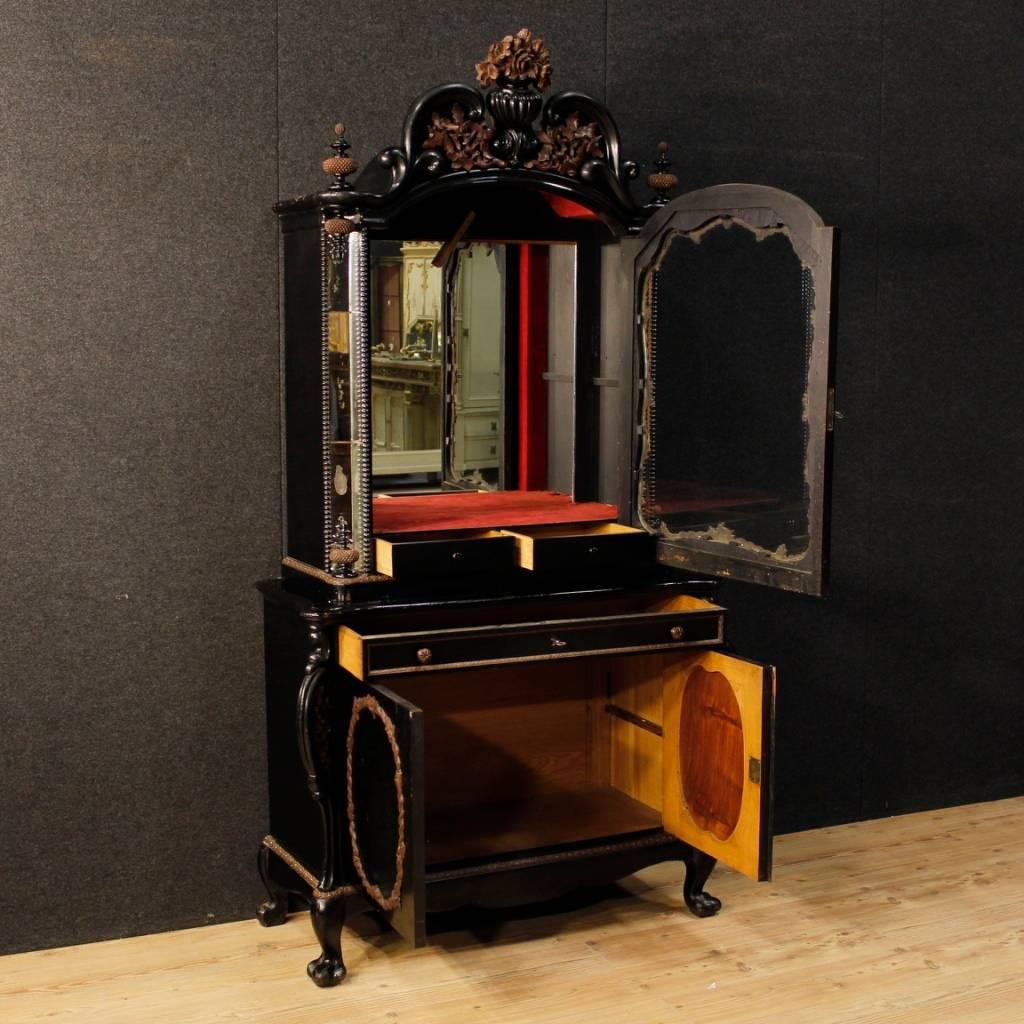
{"points": [[734, 409]]}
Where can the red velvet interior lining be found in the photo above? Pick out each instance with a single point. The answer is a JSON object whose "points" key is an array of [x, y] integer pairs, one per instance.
{"points": [[567, 208], [533, 361], [482, 510]]}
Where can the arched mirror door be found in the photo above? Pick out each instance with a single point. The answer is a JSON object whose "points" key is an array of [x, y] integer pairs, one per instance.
{"points": [[734, 290]]}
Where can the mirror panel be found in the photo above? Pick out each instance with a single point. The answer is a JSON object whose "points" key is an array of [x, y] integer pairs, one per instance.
{"points": [[731, 466], [473, 356], [727, 459], [561, 367], [406, 360], [474, 432]]}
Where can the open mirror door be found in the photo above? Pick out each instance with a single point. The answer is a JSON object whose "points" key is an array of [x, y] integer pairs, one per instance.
{"points": [[719, 712], [734, 288]]}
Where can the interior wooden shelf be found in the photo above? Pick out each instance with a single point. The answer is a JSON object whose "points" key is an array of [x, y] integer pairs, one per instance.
{"points": [[550, 819]]}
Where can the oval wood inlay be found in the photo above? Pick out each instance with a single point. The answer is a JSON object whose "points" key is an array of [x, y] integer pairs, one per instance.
{"points": [[711, 752], [376, 802]]}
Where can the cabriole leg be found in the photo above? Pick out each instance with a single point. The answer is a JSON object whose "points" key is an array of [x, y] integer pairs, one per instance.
{"points": [[698, 869], [275, 909], [328, 916]]}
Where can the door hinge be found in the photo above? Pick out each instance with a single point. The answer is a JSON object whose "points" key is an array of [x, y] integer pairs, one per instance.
{"points": [[830, 410], [755, 771]]}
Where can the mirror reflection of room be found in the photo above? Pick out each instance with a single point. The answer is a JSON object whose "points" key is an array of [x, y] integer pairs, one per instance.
{"points": [[407, 296], [472, 366], [477, 346]]}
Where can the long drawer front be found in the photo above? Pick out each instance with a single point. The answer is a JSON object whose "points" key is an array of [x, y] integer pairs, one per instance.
{"points": [[372, 654]]}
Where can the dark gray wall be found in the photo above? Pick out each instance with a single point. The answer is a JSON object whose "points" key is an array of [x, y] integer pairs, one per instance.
{"points": [[140, 150], [138, 411]]}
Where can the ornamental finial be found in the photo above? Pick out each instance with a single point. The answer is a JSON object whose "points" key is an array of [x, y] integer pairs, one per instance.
{"points": [[661, 180], [341, 165]]}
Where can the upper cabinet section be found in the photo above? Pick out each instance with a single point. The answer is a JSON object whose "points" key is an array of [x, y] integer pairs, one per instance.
{"points": [[733, 292], [459, 320]]}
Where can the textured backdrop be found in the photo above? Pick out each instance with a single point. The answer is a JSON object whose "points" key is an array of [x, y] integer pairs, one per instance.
{"points": [[141, 148]]}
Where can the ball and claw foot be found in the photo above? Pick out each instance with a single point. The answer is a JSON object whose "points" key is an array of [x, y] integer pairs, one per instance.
{"points": [[327, 915], [273, 912], [702, 904], [326, 971], [698, 869]]}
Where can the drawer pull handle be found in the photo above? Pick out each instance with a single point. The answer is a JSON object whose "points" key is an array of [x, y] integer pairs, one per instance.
{"points": [[557, 644], [677, 633], [456, 556], [592, 550], [424, 655]]}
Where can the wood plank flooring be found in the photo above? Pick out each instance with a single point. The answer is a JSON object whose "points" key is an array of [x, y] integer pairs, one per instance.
{"points": [[911, 920]]}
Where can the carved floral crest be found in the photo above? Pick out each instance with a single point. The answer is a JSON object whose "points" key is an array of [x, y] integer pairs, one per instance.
{"points": [[564, 147], [504, 124], [518, 69], [464, 141], [518, 58]]}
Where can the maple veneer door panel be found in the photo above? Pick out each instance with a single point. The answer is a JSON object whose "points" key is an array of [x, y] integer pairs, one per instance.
{"points": [[719, 713]]}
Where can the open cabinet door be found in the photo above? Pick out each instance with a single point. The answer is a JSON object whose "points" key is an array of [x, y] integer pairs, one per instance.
{"points": [[734, 294], [384, 754], [717, 762]]}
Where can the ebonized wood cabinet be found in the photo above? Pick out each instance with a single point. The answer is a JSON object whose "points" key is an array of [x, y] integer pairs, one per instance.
{"points": [[502, 680]]}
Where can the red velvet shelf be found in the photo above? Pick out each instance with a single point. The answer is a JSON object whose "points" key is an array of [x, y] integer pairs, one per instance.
{"points": [[483, 510]]}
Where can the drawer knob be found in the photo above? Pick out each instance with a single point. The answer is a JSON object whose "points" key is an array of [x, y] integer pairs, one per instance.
{"points": [[557, 645], [424, 655], [592, 550], [456, 556], [677, 633]]}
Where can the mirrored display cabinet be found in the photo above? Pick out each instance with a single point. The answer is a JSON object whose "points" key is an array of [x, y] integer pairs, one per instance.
{"points": [[527, 419]]}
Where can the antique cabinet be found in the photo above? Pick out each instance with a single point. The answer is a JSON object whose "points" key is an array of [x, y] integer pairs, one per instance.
{"points": [[495, 664]]}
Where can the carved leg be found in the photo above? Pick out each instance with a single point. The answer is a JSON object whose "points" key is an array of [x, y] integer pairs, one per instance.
{"points": [[327, 915], [274, 910], [698, 869]]}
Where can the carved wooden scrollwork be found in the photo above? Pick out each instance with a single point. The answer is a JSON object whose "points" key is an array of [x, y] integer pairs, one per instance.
{"points": [[566, 147], [504, 127], [465, 141], [519, 58]]}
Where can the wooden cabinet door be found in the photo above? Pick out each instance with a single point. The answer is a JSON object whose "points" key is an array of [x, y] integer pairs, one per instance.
{"points": [[384, 755], [717, 761]]}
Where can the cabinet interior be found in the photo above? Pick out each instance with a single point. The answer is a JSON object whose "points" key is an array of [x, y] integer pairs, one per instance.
{"points": [[524, 757]]}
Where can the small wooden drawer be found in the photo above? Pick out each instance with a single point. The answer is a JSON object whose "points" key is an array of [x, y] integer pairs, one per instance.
{"points": [[383, 648], [447, 555], [605, 546]]}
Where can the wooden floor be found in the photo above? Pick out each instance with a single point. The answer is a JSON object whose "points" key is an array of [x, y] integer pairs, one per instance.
{"points": [[914, 919]]}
